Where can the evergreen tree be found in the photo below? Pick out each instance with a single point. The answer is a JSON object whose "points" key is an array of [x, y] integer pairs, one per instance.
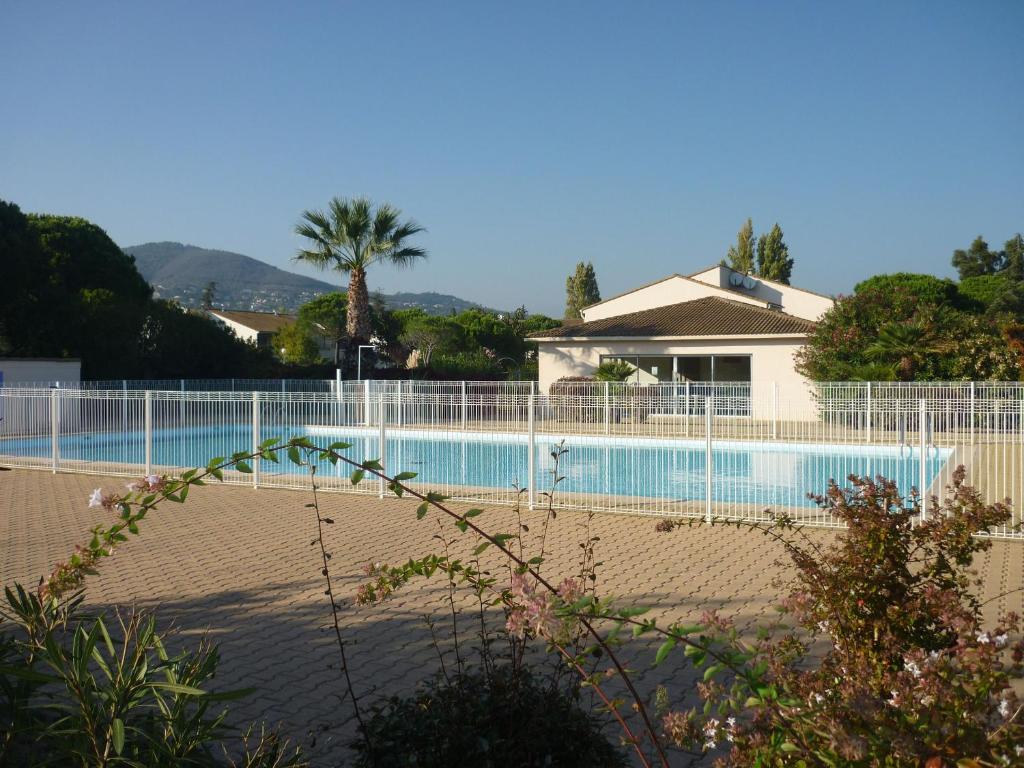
{"points": [[1013, 257], [741, 256], [773, 260], [977, 260], [581, 290]]}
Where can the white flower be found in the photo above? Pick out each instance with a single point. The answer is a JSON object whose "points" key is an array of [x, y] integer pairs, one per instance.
{"points": [[818, 698], [1002, 640], [983, 638], [912, 668], [96, 500], [1004, 708], [823, 626], [730, 728], [1019, 750], [927, 700], [152, 479], [895, 700]]}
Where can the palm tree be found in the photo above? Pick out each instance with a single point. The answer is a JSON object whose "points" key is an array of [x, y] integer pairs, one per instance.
{"points": [[906, 345], [350, 238]]}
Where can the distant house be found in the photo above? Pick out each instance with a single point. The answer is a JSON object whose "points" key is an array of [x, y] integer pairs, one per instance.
{"points": [[715, 325], [257, 328], [48, 371]]}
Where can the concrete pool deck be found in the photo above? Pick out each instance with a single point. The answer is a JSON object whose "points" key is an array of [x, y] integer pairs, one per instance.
{"points": [[238, 563]]}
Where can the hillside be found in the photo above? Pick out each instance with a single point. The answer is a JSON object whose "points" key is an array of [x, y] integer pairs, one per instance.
{"points": [[180, 272]]}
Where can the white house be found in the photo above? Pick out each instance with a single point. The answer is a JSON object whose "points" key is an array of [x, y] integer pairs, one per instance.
{"points": [[257, 328], [715, 325]]}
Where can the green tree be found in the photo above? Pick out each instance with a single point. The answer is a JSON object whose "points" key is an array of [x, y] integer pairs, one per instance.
{"points": [[428, 334], [614, 370], [925, 289], [209, 294], [581, 290], [1013, 257], [350, 238], [773, 260], [742, 255], [296, 344], [904, 345], [978, 259]]}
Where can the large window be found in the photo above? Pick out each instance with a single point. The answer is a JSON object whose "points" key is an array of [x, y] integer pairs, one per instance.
{"points": [[654, 369]]}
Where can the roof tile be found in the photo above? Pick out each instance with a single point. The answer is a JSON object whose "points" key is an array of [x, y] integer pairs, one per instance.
{"points": [[708, 316]]}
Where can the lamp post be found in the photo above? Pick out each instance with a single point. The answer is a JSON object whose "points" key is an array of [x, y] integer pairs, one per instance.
{"points": [[359, 359]]}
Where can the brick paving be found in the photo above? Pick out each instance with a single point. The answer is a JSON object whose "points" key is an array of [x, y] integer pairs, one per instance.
{"points": [[237, 563]]}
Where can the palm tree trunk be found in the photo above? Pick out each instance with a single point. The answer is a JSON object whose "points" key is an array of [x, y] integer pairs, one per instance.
{"points": [[357, 323]]}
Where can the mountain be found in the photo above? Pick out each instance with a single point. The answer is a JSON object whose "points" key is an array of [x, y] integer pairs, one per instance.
{"points": [[181, 272]]}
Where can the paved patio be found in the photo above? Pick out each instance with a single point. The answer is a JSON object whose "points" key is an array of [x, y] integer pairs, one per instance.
{"points": [[237, 562]]}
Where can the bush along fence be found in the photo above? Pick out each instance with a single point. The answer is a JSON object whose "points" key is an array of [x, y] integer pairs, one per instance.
{"points": [[735, 451], [883, 658]]}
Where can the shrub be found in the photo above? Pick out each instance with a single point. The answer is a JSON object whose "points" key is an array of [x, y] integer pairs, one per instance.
{"points": [[908, 674], [491, 720]]}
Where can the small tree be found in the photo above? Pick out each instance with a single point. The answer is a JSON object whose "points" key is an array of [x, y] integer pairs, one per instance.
{"points": [[614, 370], [741, 256], [295, 344], [581, 290], [209, 294], [773, 260], [978, 259]]}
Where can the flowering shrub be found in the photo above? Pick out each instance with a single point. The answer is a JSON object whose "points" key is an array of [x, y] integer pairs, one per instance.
{"points": [[908, 675]]}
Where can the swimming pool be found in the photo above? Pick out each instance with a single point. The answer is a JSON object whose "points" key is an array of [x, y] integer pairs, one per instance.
{"points": [[672, 470]]}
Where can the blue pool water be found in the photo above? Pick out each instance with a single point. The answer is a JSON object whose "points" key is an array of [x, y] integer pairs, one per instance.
{"points": [[769, 474]]}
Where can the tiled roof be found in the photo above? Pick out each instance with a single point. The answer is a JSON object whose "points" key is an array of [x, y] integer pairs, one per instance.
{"points": [[709, 316], [261, 322]]}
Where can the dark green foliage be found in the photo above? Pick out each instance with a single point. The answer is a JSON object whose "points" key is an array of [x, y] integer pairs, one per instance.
{"points": [[69, 291], [773, 259], [955, 345], [925, 289], [977, 260], [581, 290], [487, 721]]}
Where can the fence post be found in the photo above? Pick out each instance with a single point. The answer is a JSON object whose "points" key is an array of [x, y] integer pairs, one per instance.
{"points": [[366, 402], [463, 406], [147, 431], [972, 412], [686, 410], [775, 410], [531, 451], [923, 439], [607, 409], [398, 404], [383, 446], [708, 458], [337, 383], [54, 430], [255, 438], [869, 412]]}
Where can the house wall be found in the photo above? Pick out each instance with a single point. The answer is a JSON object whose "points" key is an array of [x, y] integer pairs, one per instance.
{"points": [[18, 370], [793, 301], [671, 290], [771, 359], [244, 332]]}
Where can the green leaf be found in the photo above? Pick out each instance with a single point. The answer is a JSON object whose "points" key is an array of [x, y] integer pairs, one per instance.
{"points": [[788, 746], [117, 734], [473, 512], [664, 650], [481, 547], [180, 689], [373, 464], [243, 467], [339, 446], [421, 510], [357, 476], [713, 670], [293, 455], [405, 476]]}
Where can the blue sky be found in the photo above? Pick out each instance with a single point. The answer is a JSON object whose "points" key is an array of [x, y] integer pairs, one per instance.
{"points": [[528, 136]]}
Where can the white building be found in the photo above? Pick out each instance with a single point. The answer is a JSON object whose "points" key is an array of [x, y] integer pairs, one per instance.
{"points": [[257, 328], [716, 325], [46, 371]]}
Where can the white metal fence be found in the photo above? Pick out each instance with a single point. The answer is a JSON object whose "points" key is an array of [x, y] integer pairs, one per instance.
{"points": [[726, 450]]}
